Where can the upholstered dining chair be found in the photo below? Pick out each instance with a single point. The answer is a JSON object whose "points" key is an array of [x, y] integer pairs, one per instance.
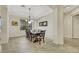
{"points": [[41, 36]]}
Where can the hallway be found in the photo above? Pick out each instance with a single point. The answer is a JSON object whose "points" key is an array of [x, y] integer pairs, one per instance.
{"points": [[22, 45]]}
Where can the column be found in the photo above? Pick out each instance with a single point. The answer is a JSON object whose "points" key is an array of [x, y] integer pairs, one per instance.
{"points": [[59, 22], [4, 28]]}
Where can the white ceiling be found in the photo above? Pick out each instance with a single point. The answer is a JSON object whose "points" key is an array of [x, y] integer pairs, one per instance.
{"points": [[68, 8], [36, 10]]}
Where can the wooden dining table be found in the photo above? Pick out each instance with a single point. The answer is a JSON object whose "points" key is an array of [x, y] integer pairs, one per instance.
{"points": [[36, 36]]}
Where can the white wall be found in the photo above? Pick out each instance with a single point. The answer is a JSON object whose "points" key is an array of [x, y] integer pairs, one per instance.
{"points": [[75, 27], [68, 20], [34, 24], [68, 26], [71, 26], [49, 29], [15, 31]]}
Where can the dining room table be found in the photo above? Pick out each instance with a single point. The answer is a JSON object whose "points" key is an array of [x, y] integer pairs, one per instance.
{"points": [[35, 36]]}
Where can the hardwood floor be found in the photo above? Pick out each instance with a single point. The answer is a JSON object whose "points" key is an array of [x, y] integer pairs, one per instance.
{"points": [[23, 45]]}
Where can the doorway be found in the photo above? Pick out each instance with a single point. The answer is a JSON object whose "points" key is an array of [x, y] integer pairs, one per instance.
{"points": [[75, 26]]}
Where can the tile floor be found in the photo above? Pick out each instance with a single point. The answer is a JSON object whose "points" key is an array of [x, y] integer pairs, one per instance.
{"points": [[23, 45]]}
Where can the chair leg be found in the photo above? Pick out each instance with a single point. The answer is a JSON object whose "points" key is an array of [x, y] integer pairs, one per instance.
{"points": [[34, 40], [39, 41], [31, 38], [43, 40]]}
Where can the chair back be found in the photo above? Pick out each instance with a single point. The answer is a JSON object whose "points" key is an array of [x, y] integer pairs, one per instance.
{"points": [[43, 33], [27, 33]]}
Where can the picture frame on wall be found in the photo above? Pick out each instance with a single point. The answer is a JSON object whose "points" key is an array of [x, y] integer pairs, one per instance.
{"points": [[44, 23], [14, 23], [40, 24]]}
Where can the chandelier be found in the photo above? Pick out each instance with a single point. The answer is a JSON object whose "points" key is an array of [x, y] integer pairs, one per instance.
{"points": [[30, 20]]}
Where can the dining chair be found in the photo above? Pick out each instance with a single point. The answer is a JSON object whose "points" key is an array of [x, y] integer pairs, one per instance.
{"points": [[41, 36], [28, 34], [32, 36]]}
